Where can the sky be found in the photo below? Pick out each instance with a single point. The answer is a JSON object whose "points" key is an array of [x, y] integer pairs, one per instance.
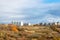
{"points": [[33, 11]]}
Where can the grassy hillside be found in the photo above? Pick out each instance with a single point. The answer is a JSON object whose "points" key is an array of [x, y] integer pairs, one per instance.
{"points": [[13, 32]]}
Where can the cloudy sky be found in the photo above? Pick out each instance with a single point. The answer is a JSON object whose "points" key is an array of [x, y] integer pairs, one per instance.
{"points": [[33, 11]]}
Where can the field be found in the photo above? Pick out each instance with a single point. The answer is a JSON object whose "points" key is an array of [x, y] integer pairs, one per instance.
{"points": [[13, 32]]}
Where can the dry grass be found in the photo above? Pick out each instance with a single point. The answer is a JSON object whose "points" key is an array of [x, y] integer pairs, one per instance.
{"points": [[12, 32]]}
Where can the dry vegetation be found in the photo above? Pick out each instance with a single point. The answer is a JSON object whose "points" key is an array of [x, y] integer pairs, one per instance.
{"points": [[12, 32]]}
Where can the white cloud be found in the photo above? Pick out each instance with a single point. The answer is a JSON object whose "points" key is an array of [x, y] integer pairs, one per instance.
{"points": [[10, 9], [14, 5], [51, 18]]}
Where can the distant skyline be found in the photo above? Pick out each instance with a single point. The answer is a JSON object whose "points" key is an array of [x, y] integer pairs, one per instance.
{"points": [[33, 11]]}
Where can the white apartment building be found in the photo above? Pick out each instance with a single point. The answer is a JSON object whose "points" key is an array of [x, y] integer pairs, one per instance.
{"points": [[20, 23], [17, 23]]}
